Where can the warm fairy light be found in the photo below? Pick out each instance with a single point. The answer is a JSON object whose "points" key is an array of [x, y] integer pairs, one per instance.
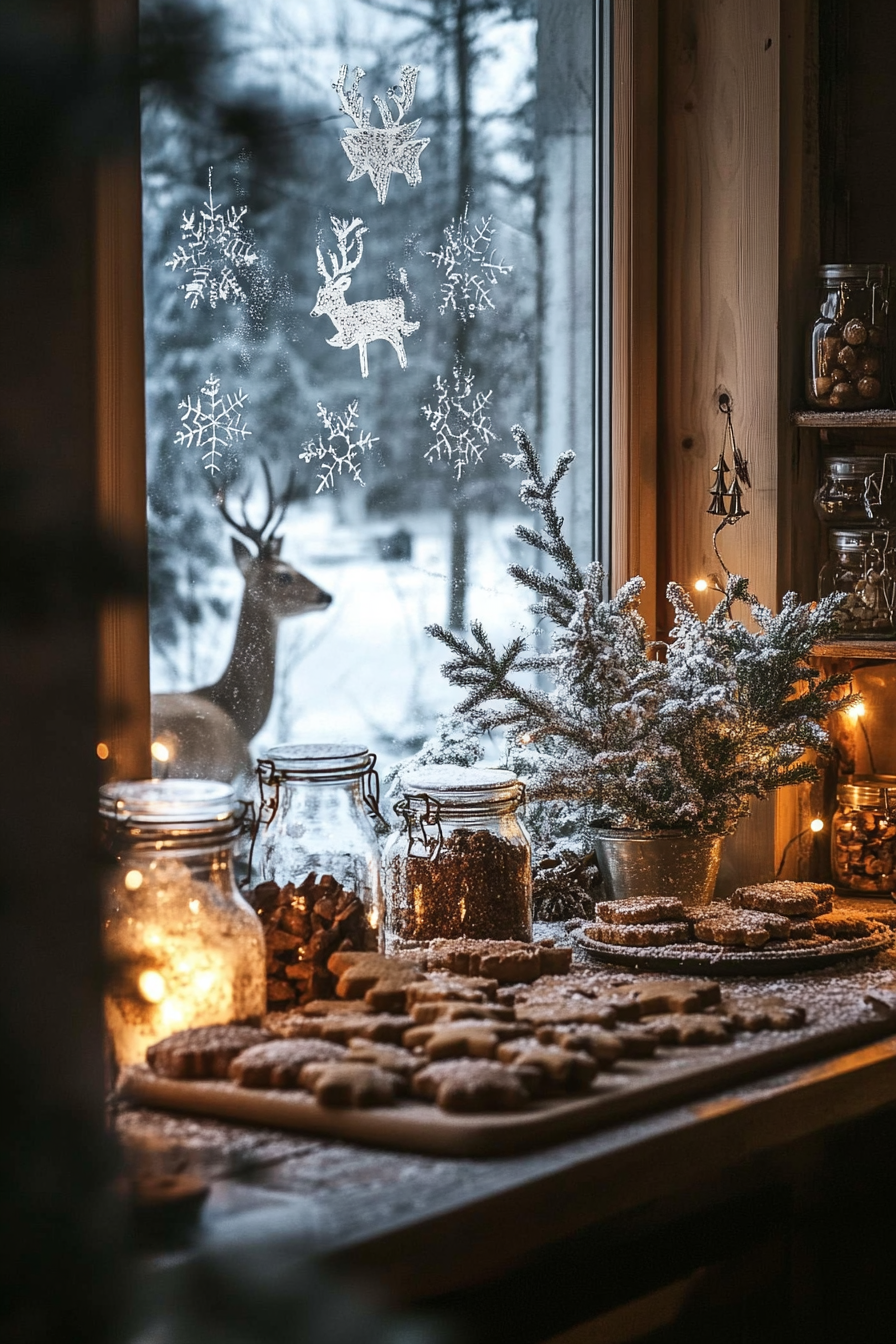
{"points": [[133, 880], [152, 986], [816, 825], [701, 586], [857, 711], [525, 739], [160, 752], [194, 907], [102, 751]]}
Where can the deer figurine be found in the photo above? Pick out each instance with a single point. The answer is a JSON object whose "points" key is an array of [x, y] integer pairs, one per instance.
{"points": [[207, 732], [357, 323]]}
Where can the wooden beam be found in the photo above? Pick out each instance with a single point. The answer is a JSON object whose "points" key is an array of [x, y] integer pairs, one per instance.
{"points": [[121, 433], [635, 109]]}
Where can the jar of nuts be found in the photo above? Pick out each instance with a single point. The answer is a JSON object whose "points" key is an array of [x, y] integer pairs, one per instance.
{"points": [[460, 865], [318, 856], [848, 365], [861, 564], [863, 833], [857, 490]]}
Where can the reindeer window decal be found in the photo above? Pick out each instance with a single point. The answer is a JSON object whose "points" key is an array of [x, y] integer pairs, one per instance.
{"points": [[357, 323], [380, 152]]}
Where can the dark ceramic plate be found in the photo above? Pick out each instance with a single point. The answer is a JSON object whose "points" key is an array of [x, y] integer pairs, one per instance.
{"points": [[686, 957]]}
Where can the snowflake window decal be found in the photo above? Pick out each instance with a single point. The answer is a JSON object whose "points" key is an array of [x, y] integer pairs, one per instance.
{"points": [[215, 426], [377, 151], [459, 420], [336, 446], [471, 268], [212, 251]]}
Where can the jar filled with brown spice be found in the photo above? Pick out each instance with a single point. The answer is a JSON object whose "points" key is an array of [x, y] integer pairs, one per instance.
{"points": [[863, 833], [459, 865], [848, 357]]}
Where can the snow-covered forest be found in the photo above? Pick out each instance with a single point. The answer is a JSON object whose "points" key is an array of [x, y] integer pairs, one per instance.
{"points": [[271, 278]]}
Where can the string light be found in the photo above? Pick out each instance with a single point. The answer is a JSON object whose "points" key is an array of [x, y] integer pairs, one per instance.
{"points": [[701, 586], [133, 880], [160, 752], [152, 986], [857, 711], [102, 751], [816, 825]]}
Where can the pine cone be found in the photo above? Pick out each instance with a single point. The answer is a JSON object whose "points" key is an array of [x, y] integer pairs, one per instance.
{"points": [[565, 886]]}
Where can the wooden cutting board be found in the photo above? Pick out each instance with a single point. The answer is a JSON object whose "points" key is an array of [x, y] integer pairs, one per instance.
{"points": [[631, 1088]]}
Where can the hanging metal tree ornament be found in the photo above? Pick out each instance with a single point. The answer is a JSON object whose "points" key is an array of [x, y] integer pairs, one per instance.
{"points": [[728, 502]]}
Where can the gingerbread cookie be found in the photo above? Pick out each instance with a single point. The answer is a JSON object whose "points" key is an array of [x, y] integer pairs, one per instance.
{"points": [[329, 1007], [279, 1063], [674, 996], [736, 928], [568, 1010], [641, 910], [762, 1013], [450, 1040], [392, 1058], [639, 935], [440, 988], [637, 1042], [843, 926], [778, 898], [688, 1029], [202, 1052], [471, 1085], [352, 1084], [381, 981], [341, 1027], [507, 962], [451, 1010], [548, 1070], [603, 1046]]}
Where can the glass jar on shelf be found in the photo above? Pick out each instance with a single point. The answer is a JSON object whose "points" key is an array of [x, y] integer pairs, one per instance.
{"points": [[316, 857], [459, 865], [182, 947], [848, 357], [863, 833], [861, 563], [857, 490]]}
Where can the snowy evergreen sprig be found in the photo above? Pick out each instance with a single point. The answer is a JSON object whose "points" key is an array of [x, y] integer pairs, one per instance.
{"points": [[677, 735]]}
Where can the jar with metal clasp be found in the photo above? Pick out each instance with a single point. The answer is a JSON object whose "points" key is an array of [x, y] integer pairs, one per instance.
{"points": [[857, 490], [848, 355], [863, 833], [182, 947], [861, 564], [460, 863], [316, 865]]}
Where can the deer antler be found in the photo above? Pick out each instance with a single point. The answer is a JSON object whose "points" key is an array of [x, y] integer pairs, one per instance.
{"points": [[351, 102], [402, 97], [279, 501]]}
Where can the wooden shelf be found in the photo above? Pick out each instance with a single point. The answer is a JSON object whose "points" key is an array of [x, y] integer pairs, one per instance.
{"points": [[856, 648], [844, 419]]}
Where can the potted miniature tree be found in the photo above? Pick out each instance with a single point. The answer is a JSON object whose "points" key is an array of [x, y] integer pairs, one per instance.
{"points": [[656, 748]]}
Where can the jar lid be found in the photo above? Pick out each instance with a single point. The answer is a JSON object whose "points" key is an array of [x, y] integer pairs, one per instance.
{"points": [[321, 762], [853, 466], [172, 806], [868, 791], [871, 270], [857, 538], [462, 784]]}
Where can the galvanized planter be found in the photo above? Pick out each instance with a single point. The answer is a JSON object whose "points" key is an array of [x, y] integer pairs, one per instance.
{"points": [[658, 863]]}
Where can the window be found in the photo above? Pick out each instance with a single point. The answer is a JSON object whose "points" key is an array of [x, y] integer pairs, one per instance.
{"points": [[369, 242]]}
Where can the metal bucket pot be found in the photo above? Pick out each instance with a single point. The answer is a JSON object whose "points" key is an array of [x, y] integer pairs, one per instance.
{"points": [[658, 863]]}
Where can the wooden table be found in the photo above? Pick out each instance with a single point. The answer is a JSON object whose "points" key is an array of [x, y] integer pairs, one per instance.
{"points": [[473, 1236]]}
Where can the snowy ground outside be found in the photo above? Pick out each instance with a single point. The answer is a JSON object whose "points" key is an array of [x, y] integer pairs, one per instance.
{"points": [[364, 670]]}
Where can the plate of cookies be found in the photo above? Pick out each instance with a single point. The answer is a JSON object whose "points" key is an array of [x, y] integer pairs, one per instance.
{"points": [[477, 1047], [762, 929]]}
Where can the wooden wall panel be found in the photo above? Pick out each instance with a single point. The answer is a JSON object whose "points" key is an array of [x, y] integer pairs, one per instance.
{"points": [[718, 319]]}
